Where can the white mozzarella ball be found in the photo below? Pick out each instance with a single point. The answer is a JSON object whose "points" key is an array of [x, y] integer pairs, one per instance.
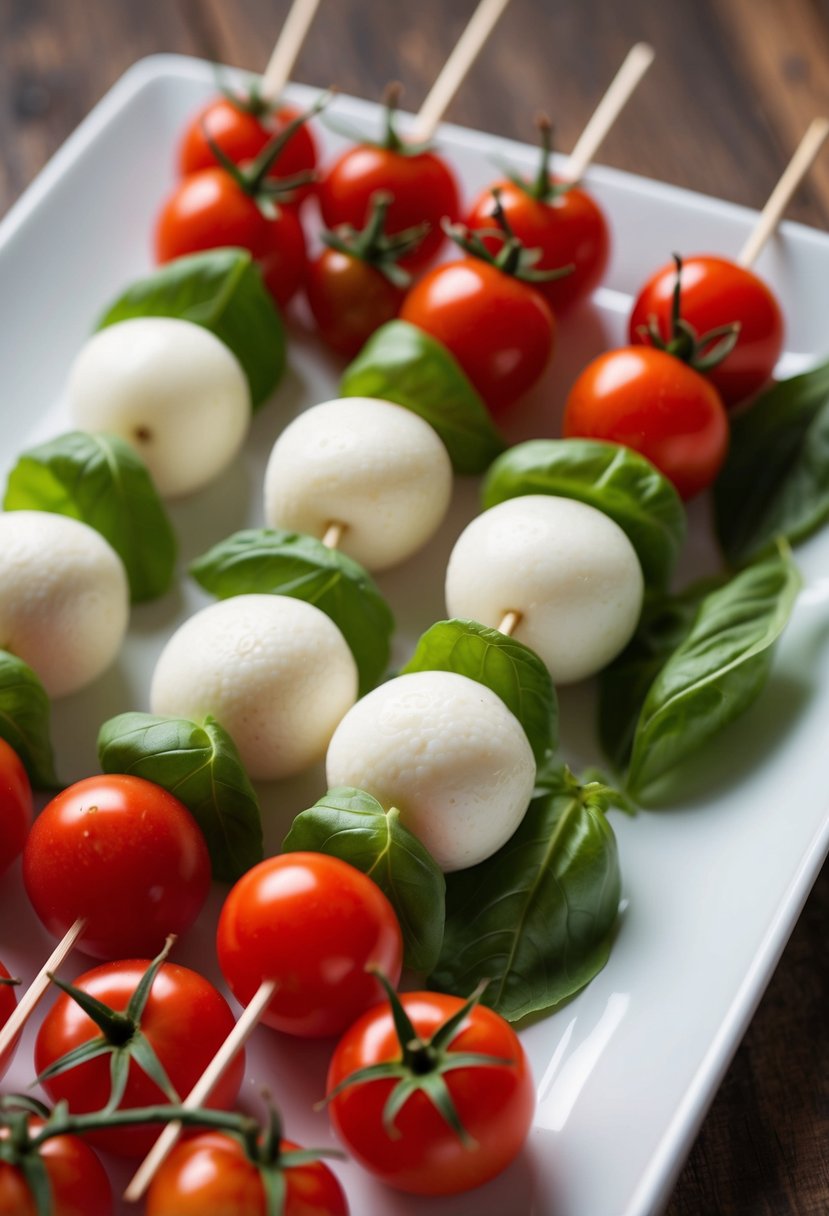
{"points": [[274, 671], [64, 598], [172, 390], [447, 753], [566, 568], [373, 466]]}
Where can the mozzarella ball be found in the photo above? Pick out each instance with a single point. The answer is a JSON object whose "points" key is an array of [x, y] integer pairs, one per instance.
{"points": [[566, 568], [373, 466], [64, 598], [275, 672], [172, 390], [447, 753]]}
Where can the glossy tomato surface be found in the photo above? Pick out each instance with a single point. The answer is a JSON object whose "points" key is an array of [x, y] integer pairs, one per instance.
{"points": [[657, 405], [313, 924], [15, 805], [8, 1002], [715, 292], [499, 329], [122, 854], [350, 299], [423, 189], [185, 1020], [242, 135], [78, 1181], [495, 1103], [209, 209], [570, 229], [211, 1176]]}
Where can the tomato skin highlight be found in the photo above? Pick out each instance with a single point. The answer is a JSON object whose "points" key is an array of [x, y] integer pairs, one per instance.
{"points": [[423, 186], [715, 292], [210, 1175], [313, 923], [186, 1021], [349, 300], [8, 1003], [79, 1183], [499, 329], [242, 136], [208, 210], [123, 854], [657, 405], [569, 229], [16, 808], [495, 1104]]}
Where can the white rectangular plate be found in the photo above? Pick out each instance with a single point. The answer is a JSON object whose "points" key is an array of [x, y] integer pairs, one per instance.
{"points": [[712, 885]]}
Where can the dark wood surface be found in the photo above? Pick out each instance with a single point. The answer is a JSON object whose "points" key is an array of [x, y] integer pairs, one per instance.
{"points": [[733, 87]]}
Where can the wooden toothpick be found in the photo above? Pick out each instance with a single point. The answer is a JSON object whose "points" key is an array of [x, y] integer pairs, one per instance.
{"points": [[637, 61], [288, 45], [10, 1030], [333, 534], [509, 622]]}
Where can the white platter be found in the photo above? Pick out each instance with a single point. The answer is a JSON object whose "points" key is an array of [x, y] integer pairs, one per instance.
{"points": [[712, 886]]}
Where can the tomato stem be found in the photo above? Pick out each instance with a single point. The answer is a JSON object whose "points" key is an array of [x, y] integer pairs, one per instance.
{"points": [[372, 244], [702, 352], [513, 258]]}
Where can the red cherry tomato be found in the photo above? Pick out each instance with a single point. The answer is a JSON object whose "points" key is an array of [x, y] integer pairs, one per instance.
{"points": [[716, 292], [77, 1179], [242, 134], [657, 405], [499, 329], [185, 1021], [122, 854], [494, 1103], [211, 1175], [8, 1003], [313, 924], [209, 209], [350, 299], [15, 805]]}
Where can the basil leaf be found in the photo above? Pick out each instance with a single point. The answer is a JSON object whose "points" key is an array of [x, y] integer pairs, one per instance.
{"points": [[614, 479], [223, 291], [775, 481], [537, 918], [403, 364], [353, 826], [99, 480], [514, 673], [200, 765], [271, 561], [716, 672], [24, 720]]}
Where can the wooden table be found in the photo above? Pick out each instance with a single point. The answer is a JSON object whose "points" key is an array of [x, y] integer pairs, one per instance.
{"points": [[733, 87]]}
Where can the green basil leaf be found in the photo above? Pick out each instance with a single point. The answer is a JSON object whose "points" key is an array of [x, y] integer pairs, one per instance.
{"points": [[775, 481], [614, 479], [537, 918], [24, 720], [200, 765], [403, 364], [269, 561], [223, 291], [99, 480], [353, 826], [514, 673], [716, 672]]}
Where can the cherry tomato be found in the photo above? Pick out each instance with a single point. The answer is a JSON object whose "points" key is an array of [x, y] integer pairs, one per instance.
{"points": [[211, 1175], [15, 805], [209, 209], [494, 1102], [122, 854], [8, 1003], [350, 299], [241, 132], [657, 405], [499, 329], [717, 292], [313, 924], [185, 1021], [78, 1181]]}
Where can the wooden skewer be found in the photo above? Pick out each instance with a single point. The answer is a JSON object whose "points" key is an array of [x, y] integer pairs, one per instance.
{"points": [[202, 1090], [451, 76], [637, 61], [288, 45], [333, 535], [509, 623], [778, 200], [30, 998]]}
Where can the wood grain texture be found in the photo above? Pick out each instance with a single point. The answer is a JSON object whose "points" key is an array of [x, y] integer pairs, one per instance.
{"points": [[733, 87]]}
